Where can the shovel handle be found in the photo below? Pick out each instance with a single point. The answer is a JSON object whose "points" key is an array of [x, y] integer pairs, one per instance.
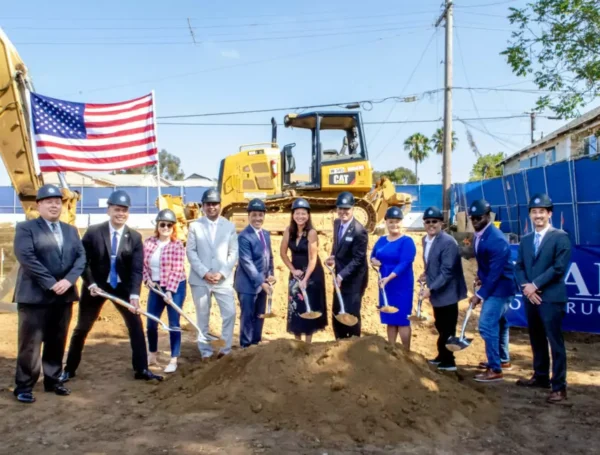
{"points": [[464, 325], [337, 289], [170, 302]]}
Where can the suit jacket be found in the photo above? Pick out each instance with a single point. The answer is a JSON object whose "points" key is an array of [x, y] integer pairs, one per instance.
{"points": [[350, 255], [204, 255], [130, 258], [494, 266], [42, 264], [254, 266], [548, 268], [444, 272]]}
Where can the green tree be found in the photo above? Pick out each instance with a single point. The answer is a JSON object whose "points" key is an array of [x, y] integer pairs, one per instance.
{"points": [[437, 141], [418, 149], [399, 176], [486, 167], [170, 167], [558, 42]]}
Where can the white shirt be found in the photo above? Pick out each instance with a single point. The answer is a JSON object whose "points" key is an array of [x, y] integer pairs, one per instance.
{"points": [[258, 231], [212, 229], [428, 242], [155, 260]]}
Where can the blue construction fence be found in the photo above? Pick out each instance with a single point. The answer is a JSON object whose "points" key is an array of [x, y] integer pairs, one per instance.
{"points": [[143, 198]]}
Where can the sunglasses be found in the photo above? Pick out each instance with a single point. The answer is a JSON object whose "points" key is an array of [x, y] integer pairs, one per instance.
{"points": [[165, 225], [477, 219], [431, 221]]}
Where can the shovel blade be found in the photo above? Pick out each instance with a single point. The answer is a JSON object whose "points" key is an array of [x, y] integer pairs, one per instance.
{"points": [[347, 319], [456, 344], [311, 315], [388, 309], [415, 318]]}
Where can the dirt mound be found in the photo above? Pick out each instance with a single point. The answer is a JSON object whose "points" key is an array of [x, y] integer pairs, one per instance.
{"points": [[359, 389]]}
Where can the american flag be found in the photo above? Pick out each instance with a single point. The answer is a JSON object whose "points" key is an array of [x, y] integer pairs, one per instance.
{"points": [[93, 137]]}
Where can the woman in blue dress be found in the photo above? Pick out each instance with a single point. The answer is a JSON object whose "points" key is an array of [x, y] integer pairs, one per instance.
{"points": [[394, 254]]}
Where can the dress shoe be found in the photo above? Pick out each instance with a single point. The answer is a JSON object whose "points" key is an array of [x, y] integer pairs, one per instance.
{"points": [[220, 355], [58, 389], [147, 375], [535, 381], [26, 397], [557, 396], [65, 376], [506, 366], [489, 376]]}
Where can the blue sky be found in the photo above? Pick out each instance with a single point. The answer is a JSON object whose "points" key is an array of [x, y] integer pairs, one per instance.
{"points": [[267, 54]]}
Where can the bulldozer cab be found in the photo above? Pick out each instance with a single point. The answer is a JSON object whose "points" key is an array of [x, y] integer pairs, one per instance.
{"points": [[339, 158]]}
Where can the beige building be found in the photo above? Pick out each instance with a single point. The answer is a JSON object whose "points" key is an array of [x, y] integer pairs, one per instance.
{"points": [[577, 138]]}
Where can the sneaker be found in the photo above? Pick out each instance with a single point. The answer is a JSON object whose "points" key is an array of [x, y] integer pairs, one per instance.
{"points": [[434, 362], [446, 367], [489, 376], [504, 365], [171, 367], [153, 358]]}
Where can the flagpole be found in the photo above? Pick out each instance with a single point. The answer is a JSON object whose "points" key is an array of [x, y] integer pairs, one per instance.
{"points": [[157, 151]]}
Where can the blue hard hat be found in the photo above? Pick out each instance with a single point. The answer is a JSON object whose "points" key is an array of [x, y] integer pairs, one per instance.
{"points": [[166, 215], [300, 203], [540, 200], [119, 197], [433, 213], [48, 191], [479, 207], [345, 200], [256, 205], [394, 213]]}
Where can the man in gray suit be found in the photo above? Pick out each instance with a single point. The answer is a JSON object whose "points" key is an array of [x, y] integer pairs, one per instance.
{"points": [[51, 259], [445, 283], [212, 250], [544, 257]]}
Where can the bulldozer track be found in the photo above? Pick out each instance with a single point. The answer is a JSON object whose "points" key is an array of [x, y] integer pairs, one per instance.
{"points": [[363, 210]]}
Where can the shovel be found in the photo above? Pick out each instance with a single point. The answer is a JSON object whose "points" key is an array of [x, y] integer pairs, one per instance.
{"points": [[417, 317], [269, 312], [455, 344], [342, 316], [309, 313], [386, 308], [215, 341], [129, 306]]}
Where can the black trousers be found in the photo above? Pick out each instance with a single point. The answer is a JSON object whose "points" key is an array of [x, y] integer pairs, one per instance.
{"points": [[47, 324], [545, 326], [352, 305], [89, 310], [446, 318]]}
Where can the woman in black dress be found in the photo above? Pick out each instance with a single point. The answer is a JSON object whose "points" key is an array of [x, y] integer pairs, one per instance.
{"points": [[306, 272]]}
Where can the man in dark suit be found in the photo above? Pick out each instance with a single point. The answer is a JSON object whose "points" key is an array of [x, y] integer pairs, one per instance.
{"points": [[115, 258], [254, 274], [51, 259], [445, 283], [349, 256], [543, 261], [495, 272]]}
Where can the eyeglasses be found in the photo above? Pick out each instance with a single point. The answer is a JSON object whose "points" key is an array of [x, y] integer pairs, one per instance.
{"points": [[165, 225], [431, 221]]}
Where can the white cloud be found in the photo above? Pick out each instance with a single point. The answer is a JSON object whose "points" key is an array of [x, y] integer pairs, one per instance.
{"points": [[230, 53]]}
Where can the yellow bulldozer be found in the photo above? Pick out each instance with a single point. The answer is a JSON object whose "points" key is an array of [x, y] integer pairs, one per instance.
{"points": [[264, 171]]}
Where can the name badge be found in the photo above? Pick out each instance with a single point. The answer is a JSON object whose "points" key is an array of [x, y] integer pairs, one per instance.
{"points": [[349, 239]]}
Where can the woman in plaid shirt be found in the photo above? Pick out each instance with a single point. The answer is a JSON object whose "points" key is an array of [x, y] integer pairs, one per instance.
{"points": [[164, 260]]}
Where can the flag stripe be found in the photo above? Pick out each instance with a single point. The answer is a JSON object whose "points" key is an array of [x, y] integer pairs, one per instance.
{"points": [[106, 159], [121, 105], [95, 112], [94, 137]]}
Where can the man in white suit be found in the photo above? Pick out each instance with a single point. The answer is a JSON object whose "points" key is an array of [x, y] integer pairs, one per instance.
{"points": [[212, 250]]}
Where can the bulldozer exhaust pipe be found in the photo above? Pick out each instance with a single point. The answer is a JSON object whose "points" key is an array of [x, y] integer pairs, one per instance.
{"points": [[273, 131]]}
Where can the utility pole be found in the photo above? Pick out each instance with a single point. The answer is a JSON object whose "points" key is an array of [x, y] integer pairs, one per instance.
{"points": [[532, 118], [447, 153]]}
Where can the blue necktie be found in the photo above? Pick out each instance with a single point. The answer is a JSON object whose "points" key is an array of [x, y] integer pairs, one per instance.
{"points": [[114, 280], [536, 243], [340, 232]]}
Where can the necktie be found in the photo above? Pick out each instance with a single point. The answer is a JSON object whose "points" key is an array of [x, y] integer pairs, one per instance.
{"points": [[340, 232], [536, 242], [114, 280], [56, 234], [262, 239]]}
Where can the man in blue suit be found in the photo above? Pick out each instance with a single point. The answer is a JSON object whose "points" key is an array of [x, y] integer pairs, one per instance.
{"points": [[496, 274], [543, 261], [254, 274]]}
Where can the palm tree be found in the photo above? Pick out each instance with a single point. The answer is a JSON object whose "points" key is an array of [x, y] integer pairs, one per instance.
{"points": [[418, 149], [437, 141]]}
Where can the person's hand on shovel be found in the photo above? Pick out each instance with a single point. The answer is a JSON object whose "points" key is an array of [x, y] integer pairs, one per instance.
{"points": [[475, 300], [267, 288], [136, 305], [376, 262]]}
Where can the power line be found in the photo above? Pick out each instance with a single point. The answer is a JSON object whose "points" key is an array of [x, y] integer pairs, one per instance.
{"points": [[483, 5]]}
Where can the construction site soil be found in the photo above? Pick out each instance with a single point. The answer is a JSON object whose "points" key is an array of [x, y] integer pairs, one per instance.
{"points": [[352, 396]]}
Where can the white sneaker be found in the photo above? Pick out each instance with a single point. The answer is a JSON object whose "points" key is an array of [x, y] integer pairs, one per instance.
{"points": [[153, 358], [171, 367]]}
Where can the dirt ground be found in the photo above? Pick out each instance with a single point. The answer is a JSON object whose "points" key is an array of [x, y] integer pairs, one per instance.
{"points": [[354, 396]]}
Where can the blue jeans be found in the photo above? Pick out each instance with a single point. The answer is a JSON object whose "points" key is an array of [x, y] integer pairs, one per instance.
{"points": [[504, 354], [490, 320], [156, 306]]}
